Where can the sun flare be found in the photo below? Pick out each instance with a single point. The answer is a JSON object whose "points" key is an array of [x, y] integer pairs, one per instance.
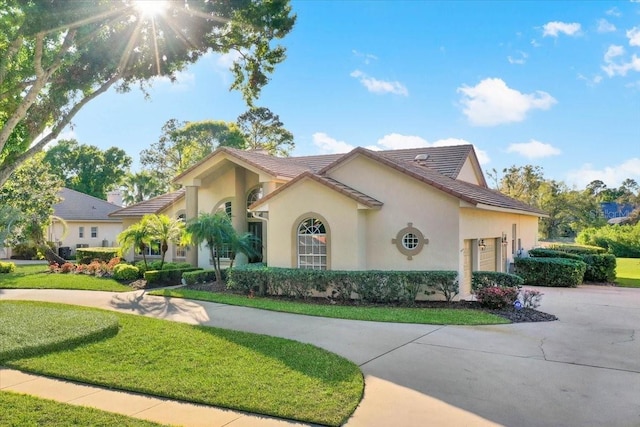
{"points": [[151, 8]]}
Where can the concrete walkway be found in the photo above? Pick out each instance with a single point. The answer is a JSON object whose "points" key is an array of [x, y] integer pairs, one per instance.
{"points": [[583, 370]]}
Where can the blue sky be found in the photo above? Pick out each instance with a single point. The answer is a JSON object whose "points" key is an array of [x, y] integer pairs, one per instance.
{"points": [[548, 83]]}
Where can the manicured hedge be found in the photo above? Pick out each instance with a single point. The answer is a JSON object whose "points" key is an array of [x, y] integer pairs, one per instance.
{"points": [[601, 267], [86, 255], [369, 286], [155, 265], [554, 272], [125, 272], [552, 253], [7, 267], [484, 279], [166, 277], [579, 249], [202, 276]]}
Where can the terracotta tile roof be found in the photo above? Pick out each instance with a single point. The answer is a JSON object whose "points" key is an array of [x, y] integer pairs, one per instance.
{"points": [[76, 206], [468, 192], [155, 205], [446, 160], [352, 193]]}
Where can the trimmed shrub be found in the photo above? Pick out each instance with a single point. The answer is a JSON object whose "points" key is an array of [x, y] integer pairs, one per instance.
{"points": [[87, 255], [7, 267], [166, 277], [155, 265], [496, 297], [369, 286], [125, 272], [622, 241], [552, 253], [600, 268], [578, 249], [483, 279], [554, 272], [201, 276]]}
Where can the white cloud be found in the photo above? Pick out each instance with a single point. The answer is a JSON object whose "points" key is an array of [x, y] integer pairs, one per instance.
{"points": [[533, 149], [605, 26], [392, 141], [596, 79], [613, 12], [610, 175], [367, 57], [520, 59], [226, 60], [491, 102], [380, 86], [554, 29], [621, 67], [183, 81], [330, 145], [634, 36], [535, 43]]}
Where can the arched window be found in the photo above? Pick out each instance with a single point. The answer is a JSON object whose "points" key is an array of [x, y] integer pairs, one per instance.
{"points": [[312, 244], [225, 206], [253, 196]]}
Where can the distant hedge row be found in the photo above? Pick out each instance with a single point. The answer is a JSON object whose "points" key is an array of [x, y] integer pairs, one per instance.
{"points": [[600, 266]]}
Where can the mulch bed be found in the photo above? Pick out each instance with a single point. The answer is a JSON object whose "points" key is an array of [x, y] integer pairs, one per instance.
{"points": [[513, 315]]}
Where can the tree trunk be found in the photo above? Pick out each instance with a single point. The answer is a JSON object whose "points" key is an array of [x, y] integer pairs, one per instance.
{"points": [[51, 256]]}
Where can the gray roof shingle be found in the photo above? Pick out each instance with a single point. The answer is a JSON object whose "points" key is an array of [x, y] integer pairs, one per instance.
{"points": [[76, 206], [151, 206]]}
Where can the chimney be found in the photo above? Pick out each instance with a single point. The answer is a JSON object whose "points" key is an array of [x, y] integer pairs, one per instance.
{"points": [[115, 197]]}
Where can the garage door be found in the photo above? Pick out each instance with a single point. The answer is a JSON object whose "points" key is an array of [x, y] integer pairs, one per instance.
{"points": [[488, 256]]}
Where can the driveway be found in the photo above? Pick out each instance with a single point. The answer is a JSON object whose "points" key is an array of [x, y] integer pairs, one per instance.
{"points": [[582, 370]]}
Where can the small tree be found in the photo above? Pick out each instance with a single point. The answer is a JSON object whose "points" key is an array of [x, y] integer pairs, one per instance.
{"points": [[245, 243], [165, 230], [215, 231], [137, 236]]}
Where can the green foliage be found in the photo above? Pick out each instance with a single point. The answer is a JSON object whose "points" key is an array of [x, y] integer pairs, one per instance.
{"points": [[164, 230], [552, 253], [24, 251], [126, 272], [553, 272], [30, 194], [140, 186], [578, 249], [183, 144], [59, 55], [202, 276], [166, 277], [496, 297], [86, 168], [622, 241], [369, 286], [136, 236], [156, 265], [601, 267], [263, 130], [87, 255], [7, 267], [483, 279], [31, 329]]}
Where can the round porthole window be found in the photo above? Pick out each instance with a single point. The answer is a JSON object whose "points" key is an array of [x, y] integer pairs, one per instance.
{"points": [[409, 241]]}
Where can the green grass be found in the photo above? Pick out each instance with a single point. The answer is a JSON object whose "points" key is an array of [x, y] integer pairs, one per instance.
{"points": [[42, 329], [28, 411], [628, 272], [432, 316], [37, 277], [237, 370]]}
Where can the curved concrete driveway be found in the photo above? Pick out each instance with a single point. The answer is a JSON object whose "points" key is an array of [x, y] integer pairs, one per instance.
{"points": [[583, 370]]}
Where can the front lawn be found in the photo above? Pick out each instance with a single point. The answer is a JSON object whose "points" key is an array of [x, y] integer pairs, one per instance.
{"points": [[23, 410], [432, 316], [628, 272], [237, 370], [37, 277]]}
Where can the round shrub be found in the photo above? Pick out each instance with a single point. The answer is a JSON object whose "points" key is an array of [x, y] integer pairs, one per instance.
{"points": [[497, 297], [125, 272], [483, 279], [7, 267]]}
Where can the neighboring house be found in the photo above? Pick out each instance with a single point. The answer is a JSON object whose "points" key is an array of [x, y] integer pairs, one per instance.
{"points": [[88, 222], [411, 209]]}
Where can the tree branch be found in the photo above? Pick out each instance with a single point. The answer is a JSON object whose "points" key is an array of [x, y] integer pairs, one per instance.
{"points": [[9, 54]]}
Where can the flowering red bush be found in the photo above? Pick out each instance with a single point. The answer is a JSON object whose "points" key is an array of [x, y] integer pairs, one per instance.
{"points": [[496, 297], [67, 267], [95, 268]]}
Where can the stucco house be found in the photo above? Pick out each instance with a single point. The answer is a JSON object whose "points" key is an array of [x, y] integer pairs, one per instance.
{"points": [[410, 209], [88, 222]]}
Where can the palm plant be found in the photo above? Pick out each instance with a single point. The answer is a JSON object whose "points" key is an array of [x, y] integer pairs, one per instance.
{"points": [[215, 231], [165, 230], [246, 243], [136, 236]]}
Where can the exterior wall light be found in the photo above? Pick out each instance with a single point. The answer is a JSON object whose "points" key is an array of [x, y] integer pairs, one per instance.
{"points": [[481, 244]]}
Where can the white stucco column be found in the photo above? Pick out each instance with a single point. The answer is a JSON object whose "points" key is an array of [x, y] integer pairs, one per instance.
{"points": [[239, 209], [191, 202]]}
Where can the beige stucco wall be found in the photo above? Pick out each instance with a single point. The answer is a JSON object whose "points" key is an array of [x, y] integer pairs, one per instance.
{"points": [[406, 200], [106, 231], [468, 173], [342, 217]]}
